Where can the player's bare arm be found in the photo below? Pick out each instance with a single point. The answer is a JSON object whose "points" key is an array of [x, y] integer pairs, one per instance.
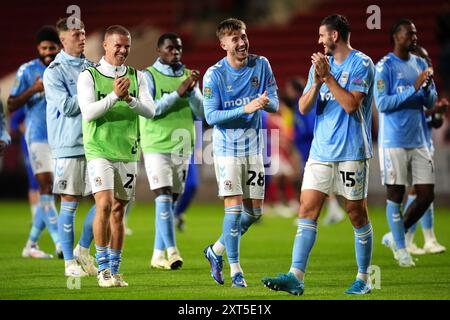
{"points": [[350, 101], [306, 101], [15, 102]]}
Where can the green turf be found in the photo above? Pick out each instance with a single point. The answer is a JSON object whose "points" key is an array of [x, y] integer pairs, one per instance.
{"points": [[265, 250]]}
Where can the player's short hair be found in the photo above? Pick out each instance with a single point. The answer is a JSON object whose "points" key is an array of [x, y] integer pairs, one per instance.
{"points": [[47, 33], [229, 25], [339, 23], [68, 23], [168, 35], [116, 29], [396, 27]]}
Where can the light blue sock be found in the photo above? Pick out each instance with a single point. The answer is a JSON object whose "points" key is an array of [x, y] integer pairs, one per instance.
{"points": [[38, 225], [86, 234], [410, 200], [427, 219], [102, 257], [47, 203], [363, 247], [164, 219], [231, 231], [303, 243], [66, 226], [248, 217], [395, 221], [115, 257], [159, 242]]}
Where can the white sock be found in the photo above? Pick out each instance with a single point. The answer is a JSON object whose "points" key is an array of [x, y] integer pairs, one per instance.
{"points": [[299, 274], [235, 268], [83, 251], [30, 244], [409, 237], [363, 276], [171, 251], [218, 248], [33, 210], [157, 254], [69, 262], [428, 235]]}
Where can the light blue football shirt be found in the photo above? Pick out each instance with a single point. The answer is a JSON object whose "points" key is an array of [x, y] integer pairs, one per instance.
{"points": [[35, 120], [225, 93], [339, 136], [400, 106]]}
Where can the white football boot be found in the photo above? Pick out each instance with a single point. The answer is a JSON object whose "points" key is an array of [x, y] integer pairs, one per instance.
{"points": [[105, 279], [73, 269]]}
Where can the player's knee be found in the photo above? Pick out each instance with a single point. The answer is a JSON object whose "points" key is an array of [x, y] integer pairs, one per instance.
{"points": [[425, 198], [104, 206], [395, 193]]}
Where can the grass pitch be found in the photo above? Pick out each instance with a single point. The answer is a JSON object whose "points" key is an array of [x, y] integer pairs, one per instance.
{"points": [[265, 250]]}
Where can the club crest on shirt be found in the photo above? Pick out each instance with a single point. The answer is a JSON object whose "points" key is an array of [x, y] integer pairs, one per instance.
{"points": [[343, 79], [254, 81]]}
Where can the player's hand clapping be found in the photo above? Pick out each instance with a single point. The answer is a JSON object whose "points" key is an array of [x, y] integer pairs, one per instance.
{"points": [[321, 65], [423, 78], [189, 83], [121, 86], [38, 85], [257, 103]]}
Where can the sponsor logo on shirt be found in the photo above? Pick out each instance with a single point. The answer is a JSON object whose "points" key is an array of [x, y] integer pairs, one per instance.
{"points": [[326, 96], [400, 89]]}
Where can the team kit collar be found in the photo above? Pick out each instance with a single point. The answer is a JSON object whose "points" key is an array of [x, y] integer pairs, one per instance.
{"points": [[76, 61], [167, 69], [111, 71]]}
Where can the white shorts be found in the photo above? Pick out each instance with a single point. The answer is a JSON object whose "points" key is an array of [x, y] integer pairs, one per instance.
{"points": [[166, 170], [113, 175], [71, 177], [349, 179], [402, 166], [40, 157], [240, 176]]}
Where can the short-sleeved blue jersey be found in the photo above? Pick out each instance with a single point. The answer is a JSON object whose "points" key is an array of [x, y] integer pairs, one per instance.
{"points": [[339, 136], [35, 121]]}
